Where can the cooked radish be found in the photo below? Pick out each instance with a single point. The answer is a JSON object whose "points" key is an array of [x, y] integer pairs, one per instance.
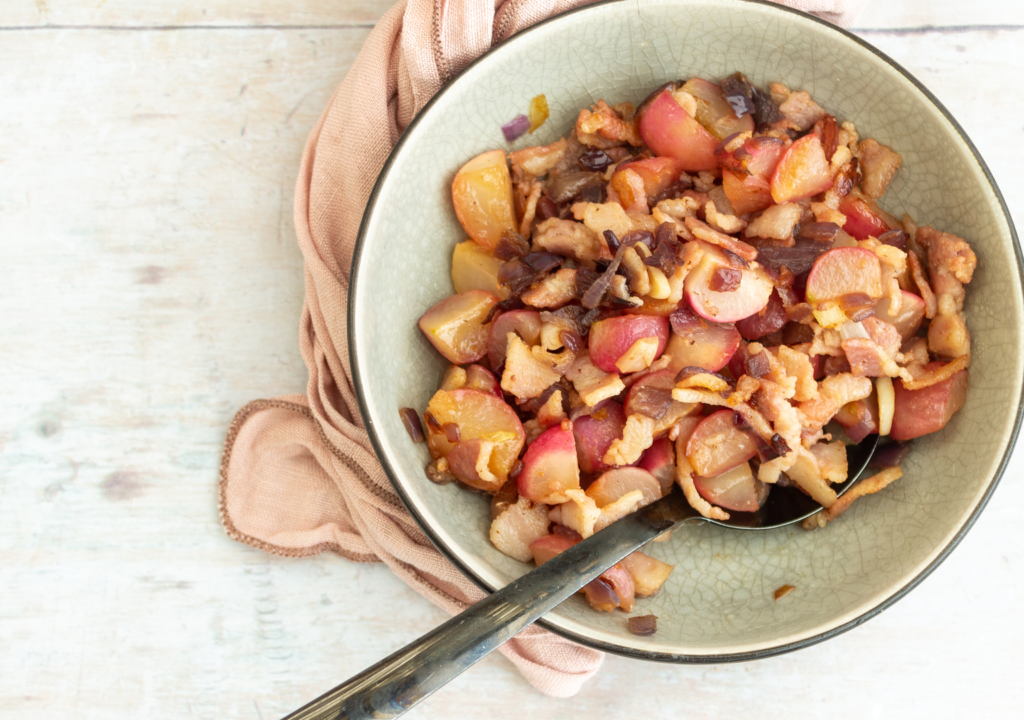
{"points": [[749, 297], [919, 412], [695, 342], [480, 378], [660, 461], [550, 466], [611, 339], [455, 326], [478, 415], [648, 573], [517, 527], [718, 445], [616, 483], [802, 171], [714, 111], [594, 434], [525, 323], [908, 320], [844, 271], [655, 173], [474, 268], [482, 196], [670, 131], [735, 489]]}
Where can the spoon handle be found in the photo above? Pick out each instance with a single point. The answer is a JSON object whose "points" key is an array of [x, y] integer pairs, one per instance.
{"points": [[399, 681]]}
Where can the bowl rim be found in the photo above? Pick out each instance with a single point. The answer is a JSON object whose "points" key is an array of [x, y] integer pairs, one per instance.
{"points": [[651, 655]]}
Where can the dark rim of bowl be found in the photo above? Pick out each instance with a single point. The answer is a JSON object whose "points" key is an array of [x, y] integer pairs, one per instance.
{"points": [[618, 649]]}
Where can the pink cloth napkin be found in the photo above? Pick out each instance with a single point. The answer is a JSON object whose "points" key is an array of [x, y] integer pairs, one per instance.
{"points": [[299, 475]]}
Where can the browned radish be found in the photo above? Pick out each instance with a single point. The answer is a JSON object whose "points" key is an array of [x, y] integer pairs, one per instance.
{"points": [[594, 434], [802, 171], [474, 268], [736, 489], [714, 111], [482, 196], [696, 342], [456, 327], [613, 484], [478, 415], [611, 339], [550, 466], [919, 412], [648, 573], [718, 445], [670, 131], [525, 323], [480, 378]]}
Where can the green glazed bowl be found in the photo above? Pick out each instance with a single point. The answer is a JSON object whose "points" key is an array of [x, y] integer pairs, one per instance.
{"points": [[718, 605]]}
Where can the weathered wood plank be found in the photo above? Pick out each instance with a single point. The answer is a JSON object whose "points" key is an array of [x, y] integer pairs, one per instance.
{"points": [[152, 286]]}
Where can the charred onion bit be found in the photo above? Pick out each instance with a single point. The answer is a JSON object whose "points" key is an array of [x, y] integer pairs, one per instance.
{"points": [[784, 591], [411, 420], [511, 246], [644, 625], [595, 160]]}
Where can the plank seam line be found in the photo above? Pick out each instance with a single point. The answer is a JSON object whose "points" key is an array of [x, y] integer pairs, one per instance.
{"points": [[171, 28], [942, 29]]}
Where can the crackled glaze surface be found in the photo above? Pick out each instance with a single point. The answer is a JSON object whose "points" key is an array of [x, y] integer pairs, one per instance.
{"points": [[718, 601]]}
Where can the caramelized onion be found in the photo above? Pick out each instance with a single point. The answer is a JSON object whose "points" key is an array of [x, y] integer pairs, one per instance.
{"points": [[439, 476], [452, 432], [512, 245], [827, 129], [896, 238], [568, 186], [507, 495], [757, 366], [411, 420], [819, 231], [595, 160], [857, 306], [644, 625], [542, 261], [772, 318], [799, 258], [651, 401], [595, 293], [546, 208], [725, 279], [601, 595]]}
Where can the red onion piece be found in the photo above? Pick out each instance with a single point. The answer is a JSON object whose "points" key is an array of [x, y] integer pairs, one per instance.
{"points": [[643, 625], [515, 128], [452, 432], [411, 420], [758, 325]]}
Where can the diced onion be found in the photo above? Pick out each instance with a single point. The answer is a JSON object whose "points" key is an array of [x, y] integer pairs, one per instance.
{"points": [[851, 330], [886, 404], [516, 127]]}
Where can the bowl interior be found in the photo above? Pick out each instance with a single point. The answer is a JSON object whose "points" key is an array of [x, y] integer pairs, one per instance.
{"points": [[718, 604]]}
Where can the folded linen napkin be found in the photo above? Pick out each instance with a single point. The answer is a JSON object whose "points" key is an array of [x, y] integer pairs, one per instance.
{"points": [[299, 475]]}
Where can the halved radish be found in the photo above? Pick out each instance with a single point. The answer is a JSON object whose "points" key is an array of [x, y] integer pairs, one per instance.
{"points": [[474, 268], [478, 415], [863, 218], [660, 461], [844, 271], [595, 433], [480, 378], [455, 326], [613, 484], [482, 196], [525, 323], [648, 573], [657, 173], [748, 298], [610, 339], [802, 171], [718, 445], [908, 320], [550, 466], [670, 131], [695, 342], [736, 489], [714, 112]]}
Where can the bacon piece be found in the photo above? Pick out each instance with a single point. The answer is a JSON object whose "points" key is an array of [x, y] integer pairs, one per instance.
{"points": [[591, 382], [777, 223], [637, 436], [703, 231], [867, 486], [568, 238], [554, 291], [879, 164], [917, 273], [604, 127]]}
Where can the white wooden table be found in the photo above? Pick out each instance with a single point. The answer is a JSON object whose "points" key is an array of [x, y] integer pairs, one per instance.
{"points": [[151, 285]]}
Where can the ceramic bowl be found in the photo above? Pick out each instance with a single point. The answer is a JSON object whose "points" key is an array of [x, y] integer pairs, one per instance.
{"points": [[718, 605]]}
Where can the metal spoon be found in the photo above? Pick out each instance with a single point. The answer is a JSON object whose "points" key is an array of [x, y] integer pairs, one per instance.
{"points": [[401, 680]]}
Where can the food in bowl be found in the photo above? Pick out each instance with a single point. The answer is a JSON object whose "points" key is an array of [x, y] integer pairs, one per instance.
{"points": [[710, 295]]}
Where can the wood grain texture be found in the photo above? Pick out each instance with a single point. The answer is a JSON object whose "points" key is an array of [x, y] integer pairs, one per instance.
{"points": [[152, 286]]}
